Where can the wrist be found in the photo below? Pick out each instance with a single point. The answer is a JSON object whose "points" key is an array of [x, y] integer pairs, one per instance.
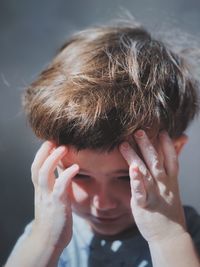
{"points": [[177, 251], [46, 250], [163, 235], [169, 239]]}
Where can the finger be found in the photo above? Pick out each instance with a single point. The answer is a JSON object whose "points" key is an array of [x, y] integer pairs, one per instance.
{"points": [[130, 155], [138, 190], [39, 159], [63, 181], [135, 163], [132, 158], [150, 155], [160, 155], [46, 174], [170, 155]]}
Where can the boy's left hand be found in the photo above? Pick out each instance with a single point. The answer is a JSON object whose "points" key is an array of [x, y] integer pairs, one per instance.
{"points": [[155, 201]]}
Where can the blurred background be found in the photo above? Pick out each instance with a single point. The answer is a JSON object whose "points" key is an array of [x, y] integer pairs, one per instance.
{"points": [[30, 34]]}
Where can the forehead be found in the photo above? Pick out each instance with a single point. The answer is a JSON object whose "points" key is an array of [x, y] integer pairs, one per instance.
{"points": [[94, 161], [112, 161]]}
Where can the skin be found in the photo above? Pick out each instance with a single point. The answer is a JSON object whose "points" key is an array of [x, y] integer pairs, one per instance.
{"points": [[100, 192], [102, 189], [89, 182], [96, 190]]}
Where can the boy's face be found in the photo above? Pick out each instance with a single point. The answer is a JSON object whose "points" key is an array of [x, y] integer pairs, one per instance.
{"points": [[100, 193]]}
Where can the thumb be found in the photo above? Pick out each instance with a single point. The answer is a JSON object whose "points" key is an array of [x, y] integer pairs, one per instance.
{"points": [[63, 181]]}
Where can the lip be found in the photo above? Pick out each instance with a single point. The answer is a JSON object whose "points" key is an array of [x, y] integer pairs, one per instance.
{"points": [[104, 219]]}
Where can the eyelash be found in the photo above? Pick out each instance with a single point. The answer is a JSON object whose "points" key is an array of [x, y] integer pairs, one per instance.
{"points": [[83, 176], [125, 178]]}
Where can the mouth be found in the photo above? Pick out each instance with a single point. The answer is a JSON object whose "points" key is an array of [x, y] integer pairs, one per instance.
{"points": [[108, 220]]}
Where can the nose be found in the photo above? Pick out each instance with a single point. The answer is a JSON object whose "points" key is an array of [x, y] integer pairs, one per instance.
{"points": [[104, 201]]}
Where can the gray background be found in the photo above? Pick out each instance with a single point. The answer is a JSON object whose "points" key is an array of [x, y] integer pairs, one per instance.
{"points": [[30, 33]]}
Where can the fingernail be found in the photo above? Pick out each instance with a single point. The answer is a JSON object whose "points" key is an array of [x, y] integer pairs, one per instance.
{"points": [[139, 134], [61, 149], [74, 167], [125, 146], [49, 143], [163, 132]]}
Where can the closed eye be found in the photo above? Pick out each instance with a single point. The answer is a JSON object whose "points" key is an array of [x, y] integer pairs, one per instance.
{"points": [[81, 176], [124, 178]]}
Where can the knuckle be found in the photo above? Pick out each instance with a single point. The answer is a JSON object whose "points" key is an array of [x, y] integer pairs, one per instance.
{"points": [[42, 172], [34, 167], [149, 179], [139, 200], [175, 161], [163, 189], [176, 164], [160, 175], [34, 179], [56, 189], [55, 195]]}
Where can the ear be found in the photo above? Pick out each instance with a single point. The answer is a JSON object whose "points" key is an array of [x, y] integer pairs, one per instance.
{"points": [[180, 142]]}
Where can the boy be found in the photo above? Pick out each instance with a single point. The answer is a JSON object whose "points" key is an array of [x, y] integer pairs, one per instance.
{"points": [[113, 105]]}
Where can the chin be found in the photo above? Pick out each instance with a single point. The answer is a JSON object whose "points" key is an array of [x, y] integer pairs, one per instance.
{"points": [[107, 232], [110, 230]]}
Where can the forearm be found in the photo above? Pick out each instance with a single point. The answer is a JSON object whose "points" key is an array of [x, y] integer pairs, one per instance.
{"points": [[177, 251], [33, 250], [51, 231]]}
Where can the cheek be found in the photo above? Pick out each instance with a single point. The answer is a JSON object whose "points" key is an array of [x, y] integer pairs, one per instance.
{"points": [[78, 193], [122, 191], [127, 198]]}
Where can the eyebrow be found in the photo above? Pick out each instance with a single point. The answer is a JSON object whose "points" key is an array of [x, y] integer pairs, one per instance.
{"points": [[120, 171]]}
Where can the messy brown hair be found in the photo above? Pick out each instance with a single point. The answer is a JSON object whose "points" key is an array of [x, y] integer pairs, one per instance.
{"points": [[105, 83]]}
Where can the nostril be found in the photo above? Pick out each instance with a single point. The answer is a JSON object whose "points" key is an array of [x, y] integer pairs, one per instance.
{"points": [[103, 202]]}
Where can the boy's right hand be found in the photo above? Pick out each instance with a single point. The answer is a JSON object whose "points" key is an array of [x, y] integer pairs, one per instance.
{"points": [[53, 216]]}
